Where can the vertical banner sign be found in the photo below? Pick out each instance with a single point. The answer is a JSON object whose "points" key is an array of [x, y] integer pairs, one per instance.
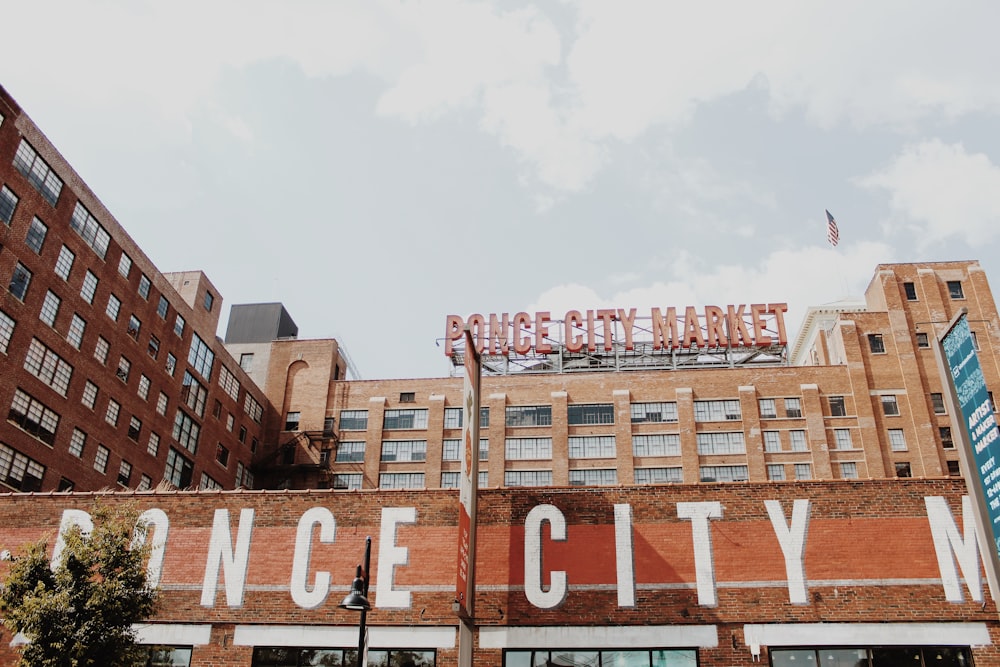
{"points": [[979, 435], [468, 483]]}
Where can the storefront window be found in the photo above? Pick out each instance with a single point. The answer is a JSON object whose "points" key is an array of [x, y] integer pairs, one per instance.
{"points": [[321, 657], [578, 658], [879, 656], [166, 656]]}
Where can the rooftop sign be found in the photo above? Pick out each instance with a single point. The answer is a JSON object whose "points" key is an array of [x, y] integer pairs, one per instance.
{"points": [[712, 327]]}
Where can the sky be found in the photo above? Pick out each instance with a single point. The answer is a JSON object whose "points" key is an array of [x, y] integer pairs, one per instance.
{"points": [[377, 166]]}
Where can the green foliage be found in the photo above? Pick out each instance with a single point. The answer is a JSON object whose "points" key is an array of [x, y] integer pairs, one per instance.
{"points": [[81, 613]]}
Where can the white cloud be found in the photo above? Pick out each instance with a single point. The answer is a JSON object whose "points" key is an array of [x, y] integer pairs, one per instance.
{"points": [[801, 277], [939, 191]]}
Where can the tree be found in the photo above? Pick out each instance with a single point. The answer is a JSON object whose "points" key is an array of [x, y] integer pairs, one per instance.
{"points": [[80, 612]]}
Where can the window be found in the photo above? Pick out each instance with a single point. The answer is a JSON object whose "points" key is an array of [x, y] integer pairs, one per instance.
{"points": [[229, 383], [33, 417], [349, 482], [145, 484], [713, 411], [593, 477], [937, 401], [50, 308], [179, 469], [111, 415], [407, 397], [186, 431], [975, 340], [124, 473], [922, 340], [453, 417], [838, 407], [193, 394], [201, 357], [945, 433], [179, 325], [153, 445], [171, 364], [772, 441], [654, 412], [114, 307], [404, 450], [954, 468], [222, 455], [35, 237], [413, 418], [842, 438], [450, 450], [48, 366], [75, 333], [767, 408], [401, 480], [658, 476], [243, 434], [134, 428], [527, 449], [579, 415], [775, 472], [89, 394], [124, 265], [19, 281], [217, 409], [798, 438], [229, 423], [659, 444], [8, 202], [911, 291], [803, 471], [897, 442], [352, 451], [18, 471], [38, 172], [144, 284], [91, 231], [253, 408], [353, 420], [793, 408], [89, 286], [209, 300], [134, 324], [889, 406], [161, 404], [849, 470], [876, 344], [721, 443], [592, 447], [143, 391], [723, 473], [161, 307], [955, 289], [154, 347], [101, 349], [529, 415], [514, 478], [246, 362], [6, 331], [101, 459], [903, 469], [208, 483], [77, 441], [124, 368]]}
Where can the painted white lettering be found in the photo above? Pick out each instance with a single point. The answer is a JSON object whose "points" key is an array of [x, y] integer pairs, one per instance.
{"points": [[234, 562], [533, 557], [70, 518], [390, 555], [157, 522], [948, 543], [792, 539], [704, 565], [302, 595], [624, 555]]}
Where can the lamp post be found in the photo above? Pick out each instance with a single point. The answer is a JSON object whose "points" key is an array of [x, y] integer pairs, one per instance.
{"points": [[357, 599]]}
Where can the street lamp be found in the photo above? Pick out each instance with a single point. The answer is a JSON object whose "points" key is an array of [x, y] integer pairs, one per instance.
{"points": [[357, 599]]}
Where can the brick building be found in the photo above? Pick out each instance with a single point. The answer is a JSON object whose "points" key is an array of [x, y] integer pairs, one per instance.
{"points": [[112, 371], [705, 493]]}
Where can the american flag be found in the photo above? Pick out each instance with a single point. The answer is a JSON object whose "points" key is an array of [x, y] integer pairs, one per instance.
{"points": [[832, 233]]}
